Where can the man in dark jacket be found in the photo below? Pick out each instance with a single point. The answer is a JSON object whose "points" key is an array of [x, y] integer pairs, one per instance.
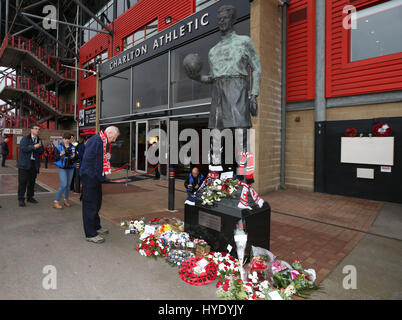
{"points": [[4, 152], [192, 184], [92, 175], [28, 164]]}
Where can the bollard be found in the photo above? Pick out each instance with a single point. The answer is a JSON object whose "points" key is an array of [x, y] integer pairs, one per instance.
{"points": [[171, 189]]}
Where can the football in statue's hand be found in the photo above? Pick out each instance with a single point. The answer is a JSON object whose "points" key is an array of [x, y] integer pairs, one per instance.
{"points": [[193, 65]]}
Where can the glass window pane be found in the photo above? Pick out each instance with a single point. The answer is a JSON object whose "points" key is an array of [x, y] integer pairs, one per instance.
{"points": [[120, 7], [104, 56], [121, 147], [116, 95], [152, 28], [150, 84], [378, 32], [139, 36], [128, 42]]}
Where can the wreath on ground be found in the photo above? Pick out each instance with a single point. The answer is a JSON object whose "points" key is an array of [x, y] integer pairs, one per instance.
{"points": [[188, 274]]}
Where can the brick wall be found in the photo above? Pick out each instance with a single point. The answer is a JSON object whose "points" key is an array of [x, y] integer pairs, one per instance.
{"points": [[299, 158], [266, 26], [365, 111]]}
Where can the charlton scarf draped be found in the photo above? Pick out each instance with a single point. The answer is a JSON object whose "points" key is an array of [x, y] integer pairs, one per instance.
{"points": [[107, 169]]}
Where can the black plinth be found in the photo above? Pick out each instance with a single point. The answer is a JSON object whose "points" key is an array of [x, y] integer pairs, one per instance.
{"points": [[216, 225]]}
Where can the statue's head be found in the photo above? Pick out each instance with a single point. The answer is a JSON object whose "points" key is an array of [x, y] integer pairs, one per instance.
{"points": [[226, 18]]}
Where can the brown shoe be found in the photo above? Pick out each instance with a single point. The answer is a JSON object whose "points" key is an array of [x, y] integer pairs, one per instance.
{"points": [[57, 205], [66, 203]]}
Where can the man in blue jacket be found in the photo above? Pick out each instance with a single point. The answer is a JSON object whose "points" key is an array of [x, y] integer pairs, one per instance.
{"points": [[28, 164], [92, 173]]}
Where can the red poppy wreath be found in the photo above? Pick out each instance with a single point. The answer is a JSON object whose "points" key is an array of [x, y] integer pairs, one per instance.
{"points": [[382, 130], [188, 275], [351, 132]]}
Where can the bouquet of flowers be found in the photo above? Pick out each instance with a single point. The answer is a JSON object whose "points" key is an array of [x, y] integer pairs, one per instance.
{"points": [[231, 289], [176, 257], [228, 266], [293, 277], [152, 247], [218, 189], [175, 239]]}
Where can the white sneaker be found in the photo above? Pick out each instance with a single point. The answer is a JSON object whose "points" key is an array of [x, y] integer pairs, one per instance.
{"points": [[96, 239]]}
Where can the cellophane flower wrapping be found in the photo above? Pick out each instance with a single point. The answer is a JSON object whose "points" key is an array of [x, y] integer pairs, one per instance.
{"points": [[261, 263], [240, 237]]}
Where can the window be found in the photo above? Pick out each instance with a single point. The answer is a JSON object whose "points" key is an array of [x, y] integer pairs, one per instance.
{"points": [[151, 28], [116, 95], [378, 32], [84, 72], [84, 103], [104, 56], [202, 4], [150, 84], [90, 101], [128, 42], [139, 36]]}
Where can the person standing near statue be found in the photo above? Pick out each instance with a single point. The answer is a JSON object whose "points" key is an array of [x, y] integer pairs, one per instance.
{"points": [[28, 164]]}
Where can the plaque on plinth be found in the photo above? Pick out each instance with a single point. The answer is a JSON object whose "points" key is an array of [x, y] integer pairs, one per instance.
{"points": [[216, 224]]}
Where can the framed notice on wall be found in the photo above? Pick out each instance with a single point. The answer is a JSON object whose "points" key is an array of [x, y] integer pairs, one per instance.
{"points": [[368, 150]]}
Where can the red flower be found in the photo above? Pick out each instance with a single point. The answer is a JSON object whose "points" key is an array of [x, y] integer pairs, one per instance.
{"points": [[225, 286], [218, 284], [153, 251], [148, 253], [166, 255], [152, 243], [254, 297], [239, 280]]}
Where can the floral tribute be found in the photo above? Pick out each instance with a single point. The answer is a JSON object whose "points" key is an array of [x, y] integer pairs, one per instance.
{"points": [[189, 275], [152, 247], [382, 130], [350, 132], [217, 190], [227, 265], [177, 257], [285, 276], [175, 239]]}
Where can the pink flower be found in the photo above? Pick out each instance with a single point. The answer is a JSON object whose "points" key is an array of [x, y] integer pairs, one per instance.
{"points": [[294, 274]]}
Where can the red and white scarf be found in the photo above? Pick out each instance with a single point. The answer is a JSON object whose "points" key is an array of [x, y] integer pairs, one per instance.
{"points": [[107, 169]]}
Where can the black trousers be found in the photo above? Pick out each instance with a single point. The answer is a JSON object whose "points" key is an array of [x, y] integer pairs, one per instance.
{"points": [[91, 204], [3, 160], [26, 182]]}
